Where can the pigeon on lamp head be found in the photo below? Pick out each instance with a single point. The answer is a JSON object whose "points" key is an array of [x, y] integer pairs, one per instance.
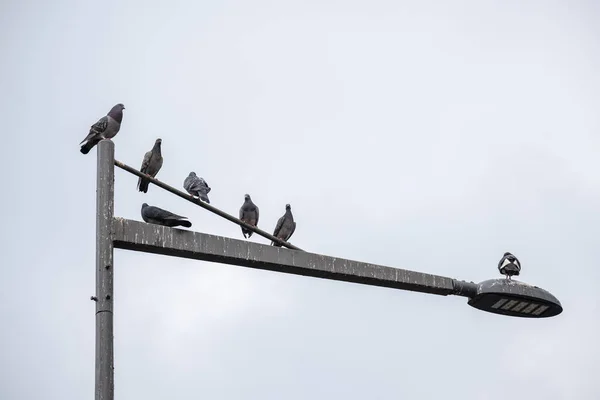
{"points": [[105, 128], [197, 186], [285, 226], [151, 164], [158, 216], [509, 265], [248, 214]]}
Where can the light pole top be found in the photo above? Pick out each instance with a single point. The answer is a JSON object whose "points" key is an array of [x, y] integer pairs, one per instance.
{"points": [[499, 296]]}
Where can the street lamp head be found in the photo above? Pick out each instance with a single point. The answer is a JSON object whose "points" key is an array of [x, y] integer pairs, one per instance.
{"points": [[514, 298]]}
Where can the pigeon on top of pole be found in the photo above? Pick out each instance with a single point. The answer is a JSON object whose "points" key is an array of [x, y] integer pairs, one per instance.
{"points": [[158, 216], [509, 265], [151, 164], [285, 226], [105, 128], [249, 214], [197, 186]]}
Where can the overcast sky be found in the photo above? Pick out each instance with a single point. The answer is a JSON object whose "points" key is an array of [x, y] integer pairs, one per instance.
{"points": [[427, 135]]}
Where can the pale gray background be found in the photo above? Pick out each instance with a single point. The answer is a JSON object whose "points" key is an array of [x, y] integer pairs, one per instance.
{"points": [[428, 135]]}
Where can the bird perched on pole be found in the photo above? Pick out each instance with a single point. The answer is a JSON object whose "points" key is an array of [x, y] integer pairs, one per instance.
{"points": [[509, 265], [158, 216], [248, 214], [151, 164], [285, 226], [197, 186], [105, 128]]}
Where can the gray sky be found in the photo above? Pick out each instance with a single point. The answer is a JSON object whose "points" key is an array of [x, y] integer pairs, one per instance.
{"points": [[430, 135]]}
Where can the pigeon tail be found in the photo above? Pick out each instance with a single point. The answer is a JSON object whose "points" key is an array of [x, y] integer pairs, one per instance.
{"points": [[247, 232], [204, 198], [88, 146], [143, 185], [187, 224]]}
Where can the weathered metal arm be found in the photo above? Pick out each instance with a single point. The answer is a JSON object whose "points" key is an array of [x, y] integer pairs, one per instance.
{"points": [[149, 238]]}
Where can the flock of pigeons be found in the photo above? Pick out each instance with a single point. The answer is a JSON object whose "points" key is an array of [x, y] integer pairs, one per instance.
{"points": [[109, 125]]}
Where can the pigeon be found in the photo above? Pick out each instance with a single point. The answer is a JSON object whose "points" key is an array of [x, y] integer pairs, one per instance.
{"points": [[105, 128], [158, 216], [152, 163], [285, 226], [509, 265], [197, 187], [248, 214]]}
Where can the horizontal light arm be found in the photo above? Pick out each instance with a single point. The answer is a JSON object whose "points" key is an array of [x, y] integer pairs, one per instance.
{"points": [[150, 238]]}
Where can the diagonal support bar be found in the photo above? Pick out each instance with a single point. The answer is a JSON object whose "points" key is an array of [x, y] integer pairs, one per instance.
{"points": [[204, 205], [149, 238]]}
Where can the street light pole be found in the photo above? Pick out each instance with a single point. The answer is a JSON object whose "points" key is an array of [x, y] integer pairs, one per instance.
{"points": [[104, 271], [499, 296]]}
